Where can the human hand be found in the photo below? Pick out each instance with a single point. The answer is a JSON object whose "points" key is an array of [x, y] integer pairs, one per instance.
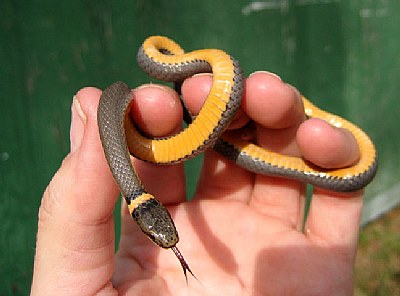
{"points": [[240, 234]]}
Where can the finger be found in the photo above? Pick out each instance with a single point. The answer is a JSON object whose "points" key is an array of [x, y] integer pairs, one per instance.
{"points": [[219, 177], [327, 146], [195, 90], [157, 111], [75, 240], [278, 111], [272, 103], [334, 219]]}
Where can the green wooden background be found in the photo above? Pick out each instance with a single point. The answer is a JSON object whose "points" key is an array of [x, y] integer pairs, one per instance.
{"points": [[345, 55]]}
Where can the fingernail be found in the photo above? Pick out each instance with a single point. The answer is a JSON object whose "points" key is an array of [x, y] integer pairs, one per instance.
{"points": [[295, 89], [78, 120], [266, 72], [155, 86], [202, 74], [150, 85]]}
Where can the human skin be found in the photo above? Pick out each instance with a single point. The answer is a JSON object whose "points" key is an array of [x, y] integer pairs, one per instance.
{"points": [[240, 234]]}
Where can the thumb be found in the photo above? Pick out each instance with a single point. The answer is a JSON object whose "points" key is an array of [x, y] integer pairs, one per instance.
{"points": [[75, 240]]}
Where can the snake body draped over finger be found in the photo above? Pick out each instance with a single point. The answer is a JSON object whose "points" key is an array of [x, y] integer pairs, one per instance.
{"points": [[163, 59]]}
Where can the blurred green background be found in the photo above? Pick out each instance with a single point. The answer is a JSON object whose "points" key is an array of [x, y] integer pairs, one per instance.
{"points": [[344, 55]]}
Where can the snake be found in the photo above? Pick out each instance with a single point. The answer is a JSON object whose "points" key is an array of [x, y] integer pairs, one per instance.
{"points": [[164, 59]]}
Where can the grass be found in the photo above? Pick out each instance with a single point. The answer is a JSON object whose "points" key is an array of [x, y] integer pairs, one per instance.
{"points": [[377, 270]]}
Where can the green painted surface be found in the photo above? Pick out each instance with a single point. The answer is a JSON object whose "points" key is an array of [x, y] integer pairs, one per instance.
{"points": [[345, 55]]}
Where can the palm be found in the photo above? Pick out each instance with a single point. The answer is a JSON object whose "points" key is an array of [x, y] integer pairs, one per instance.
{"points": [[240, 233], [237, 245]]}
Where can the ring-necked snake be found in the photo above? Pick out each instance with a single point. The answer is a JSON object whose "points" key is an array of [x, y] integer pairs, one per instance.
{"points": [[163, 59]]}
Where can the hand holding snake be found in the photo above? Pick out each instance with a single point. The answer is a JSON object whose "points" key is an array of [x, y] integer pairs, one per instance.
{"points": [[240, 232]]}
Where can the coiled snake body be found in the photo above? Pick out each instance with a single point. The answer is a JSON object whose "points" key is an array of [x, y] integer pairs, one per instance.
{"points": [[163, 59]]}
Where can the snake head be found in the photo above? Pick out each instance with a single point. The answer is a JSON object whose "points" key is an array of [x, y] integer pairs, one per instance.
{"points": [[156, 222]]}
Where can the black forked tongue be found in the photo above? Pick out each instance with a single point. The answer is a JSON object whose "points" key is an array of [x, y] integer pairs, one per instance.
{"points": [[184, 264]]}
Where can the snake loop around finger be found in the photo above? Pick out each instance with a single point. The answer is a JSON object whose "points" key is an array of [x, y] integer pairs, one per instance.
{"points": [[164, 59]]}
